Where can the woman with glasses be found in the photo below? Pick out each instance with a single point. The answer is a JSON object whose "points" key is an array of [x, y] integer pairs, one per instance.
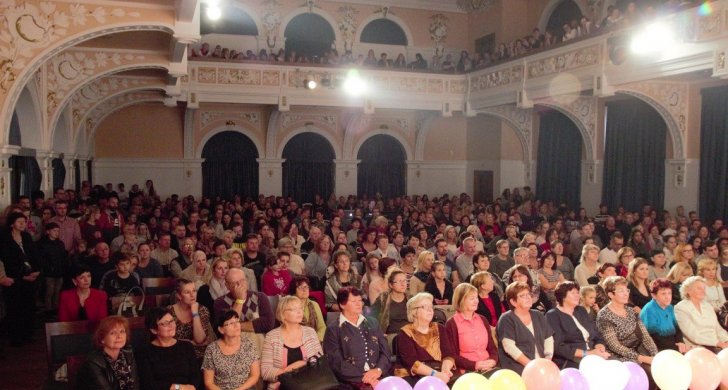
{"points": [[167, 363], [233, 361], [312, 317], [289, 346], [390, 307], [420, 350], [685, 253]]}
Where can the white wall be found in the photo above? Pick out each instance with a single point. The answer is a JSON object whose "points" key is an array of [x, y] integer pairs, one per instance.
{"points": [[436, 177], [183, 177]]}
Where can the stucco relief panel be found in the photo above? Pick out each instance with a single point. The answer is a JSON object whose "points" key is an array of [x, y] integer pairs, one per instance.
{"points": [[90, 95], [497, 78], [208, 117], [564, 62]]}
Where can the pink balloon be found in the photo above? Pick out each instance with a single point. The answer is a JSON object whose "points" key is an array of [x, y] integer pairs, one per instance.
{"points": [[706, 367], [542, 374], [723, 359]]}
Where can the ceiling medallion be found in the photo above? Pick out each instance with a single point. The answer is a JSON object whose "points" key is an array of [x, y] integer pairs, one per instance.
{"points": [[474, 5]]}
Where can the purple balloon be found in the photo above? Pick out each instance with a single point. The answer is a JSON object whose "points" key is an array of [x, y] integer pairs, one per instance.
{"points": [[637, 377], [393, 383], [430, 383], [573, 379]]}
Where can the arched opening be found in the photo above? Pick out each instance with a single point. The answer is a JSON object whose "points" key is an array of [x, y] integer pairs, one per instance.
{"points": [[59, 173], [28, 120], [25, 177], [383, 31], [230, 166], [382, 168], [634, 155], [564, 13], [234, 21], [558, 167], [309, 167], [14, 136], [309, 35]]}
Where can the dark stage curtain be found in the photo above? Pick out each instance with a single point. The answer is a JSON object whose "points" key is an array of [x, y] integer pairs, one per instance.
{"points": [[25, 177], [714, 153], [230, 166], [634, 157], [77, 172], [558, 169], [382, 168], [59, 173], [309, 167]]}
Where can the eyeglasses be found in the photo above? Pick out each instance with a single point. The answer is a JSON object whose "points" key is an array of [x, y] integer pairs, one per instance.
{"points": [[425, 307], [236, 322], [166, 323], [303, 287]]}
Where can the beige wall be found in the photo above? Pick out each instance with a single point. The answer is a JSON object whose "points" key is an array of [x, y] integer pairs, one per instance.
{"points": [[142, 131], [484, 134], [447, 139]]}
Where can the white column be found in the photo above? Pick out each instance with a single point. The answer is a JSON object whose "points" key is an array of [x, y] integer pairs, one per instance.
{"points": [[6, 152], [592, 181], [193, 176], [346, 177], [270, 176], [682, 184], [82, 166], [45, 162], [70, 181]]}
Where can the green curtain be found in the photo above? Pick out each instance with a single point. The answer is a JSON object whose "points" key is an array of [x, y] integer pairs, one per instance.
{"points": [[558, 168], [714, 152], [230, 166], [309, 167], [634, 156], [382, 168]]}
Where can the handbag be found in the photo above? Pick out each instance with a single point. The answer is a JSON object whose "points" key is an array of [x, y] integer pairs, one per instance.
{"points": [[316, 375], [128, 304]]}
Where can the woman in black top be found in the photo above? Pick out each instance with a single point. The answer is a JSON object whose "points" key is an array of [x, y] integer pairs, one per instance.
{"points": [[166, 361]]}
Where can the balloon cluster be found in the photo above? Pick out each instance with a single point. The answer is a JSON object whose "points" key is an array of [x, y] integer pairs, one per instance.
{"points": [[699, 369]]}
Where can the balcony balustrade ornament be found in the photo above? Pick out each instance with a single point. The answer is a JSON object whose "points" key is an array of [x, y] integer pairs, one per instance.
{"points": [[474, 5]]}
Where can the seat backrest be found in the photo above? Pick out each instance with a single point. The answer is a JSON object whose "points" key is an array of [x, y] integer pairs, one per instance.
{"points": [[320, 298], [158, 286], [273, 300], [150, 301], [66, 339]]}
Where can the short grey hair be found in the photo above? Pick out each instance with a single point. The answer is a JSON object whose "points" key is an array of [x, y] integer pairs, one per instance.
{"points": [[415, 303], [688, 284]]}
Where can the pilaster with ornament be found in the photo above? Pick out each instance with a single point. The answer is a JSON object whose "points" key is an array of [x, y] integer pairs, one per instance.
{"points": [[33, 31], [45, 162], [438, 32], [522, 120], [346, 176], [271, 20], [70, 181], [348, 25], [270, 176], [6, 152]]}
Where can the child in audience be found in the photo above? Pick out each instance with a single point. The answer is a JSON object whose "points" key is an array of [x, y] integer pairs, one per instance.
{"points": [[589, 302]]}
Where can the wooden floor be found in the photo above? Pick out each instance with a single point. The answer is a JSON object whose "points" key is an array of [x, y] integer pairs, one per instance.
{"points": [[24, 368]]}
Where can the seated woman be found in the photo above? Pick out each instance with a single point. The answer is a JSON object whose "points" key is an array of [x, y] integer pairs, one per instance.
{"points": [[548, 275], [234, 257], [575, 336], [468, 335], [714, 295], [638, 271], [438, 286], [391, 306], [233, 362], [342, 276], [276, 278], [490, 305], [167, 363], [312, 317], [420, 344], [481, 262], [82, 302], [523, 333], [539, 300], [192, 320], [679, 272], [372, 282], [289, 346], [658, 315], [697, 319], [356, 347], [624, 334], [422, 272], [199, 272], [112, 364], [215, 288]]}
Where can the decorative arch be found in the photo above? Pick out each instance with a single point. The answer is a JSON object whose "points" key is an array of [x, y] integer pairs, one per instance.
{"points": [[423, 130], [673, 128], [396, 135], [522, 123], [586, 137], [251, 13], [399, 21], [551, 6], [240, 129], [38, 60], [314, 10], [309, 129], [75, 88]]}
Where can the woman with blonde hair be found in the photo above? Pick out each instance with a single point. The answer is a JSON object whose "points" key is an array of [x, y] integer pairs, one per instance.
{"points": [[697, 319], [624, 257], [422, 272], [587, 264], [234, 257], [685, 253], [677, 275], [451, 237], [714, 295], [289, 346]]}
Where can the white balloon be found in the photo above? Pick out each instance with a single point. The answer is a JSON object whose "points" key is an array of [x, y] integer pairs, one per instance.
{"points": [[594, 368], [617, 374], [671, 370]]}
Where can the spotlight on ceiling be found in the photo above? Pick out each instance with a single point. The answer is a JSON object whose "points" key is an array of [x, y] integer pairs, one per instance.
{"points": [[310, 84], [214, 12], [654, 38], [354, 85]]}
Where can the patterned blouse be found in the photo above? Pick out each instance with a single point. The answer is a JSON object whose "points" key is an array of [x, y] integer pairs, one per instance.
{"points": [[184, 331], [231, 371], [625, 337]]}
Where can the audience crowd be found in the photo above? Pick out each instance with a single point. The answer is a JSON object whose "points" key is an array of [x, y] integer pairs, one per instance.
{"points": [[582, 27], [410, 286]]}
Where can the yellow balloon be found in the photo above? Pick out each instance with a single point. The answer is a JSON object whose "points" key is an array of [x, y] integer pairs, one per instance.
{"points": [[507, 380], [472, 381]]}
